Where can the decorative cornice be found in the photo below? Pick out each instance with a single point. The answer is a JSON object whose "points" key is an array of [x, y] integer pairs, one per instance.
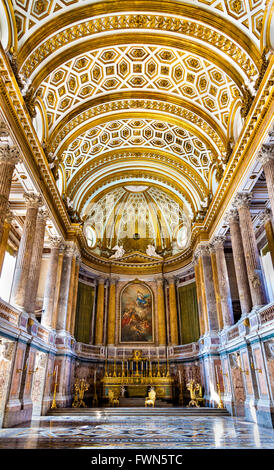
{"points": [[33, 155]]}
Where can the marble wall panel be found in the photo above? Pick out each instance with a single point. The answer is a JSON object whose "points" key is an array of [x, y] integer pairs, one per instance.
{"points": [[269, 355], [38, 385], [7, 348]]}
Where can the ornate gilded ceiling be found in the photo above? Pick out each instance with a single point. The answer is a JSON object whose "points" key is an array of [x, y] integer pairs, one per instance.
{"points": [[140, 93], [137, 217]]}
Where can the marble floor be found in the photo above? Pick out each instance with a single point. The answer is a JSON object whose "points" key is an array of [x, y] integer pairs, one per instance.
{"points": [[153, 432]]}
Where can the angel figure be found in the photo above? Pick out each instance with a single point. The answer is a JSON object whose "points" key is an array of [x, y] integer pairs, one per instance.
{"points": [[150, 251], [119, 252]]}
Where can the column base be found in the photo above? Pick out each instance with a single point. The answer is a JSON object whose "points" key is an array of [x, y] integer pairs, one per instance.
{"points": [[260, 412], [16, 413]]}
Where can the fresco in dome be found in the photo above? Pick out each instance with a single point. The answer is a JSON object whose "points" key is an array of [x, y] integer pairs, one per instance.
{"points": [[136, 314]]}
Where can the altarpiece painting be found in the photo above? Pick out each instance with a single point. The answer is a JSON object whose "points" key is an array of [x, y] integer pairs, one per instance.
{"points": [[136, 314]]}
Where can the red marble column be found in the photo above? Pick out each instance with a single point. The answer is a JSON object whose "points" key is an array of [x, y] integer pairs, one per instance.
{"points": [[5, 237], [232, 219], [266, 157], [75, 291], [223, 281], [268, 225], [36, 259], [252, 258], [63, 302], [210, 300], [50, 287], [9, 156], [20, 280]]}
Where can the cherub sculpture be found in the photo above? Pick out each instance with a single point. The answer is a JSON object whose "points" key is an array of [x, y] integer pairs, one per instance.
{"points": [[119, 252]]}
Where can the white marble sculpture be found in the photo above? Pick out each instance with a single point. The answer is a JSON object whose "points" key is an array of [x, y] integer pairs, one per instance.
{"points": [[150, 251], [119, 252]]}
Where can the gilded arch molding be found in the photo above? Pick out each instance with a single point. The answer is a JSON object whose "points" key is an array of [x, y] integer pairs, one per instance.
{"points": [[139, 154], [158, 18], [177, 189], [238, 71], [164, 108]]}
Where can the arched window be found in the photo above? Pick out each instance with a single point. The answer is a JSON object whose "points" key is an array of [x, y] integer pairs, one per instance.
{"points": [[90, 236]]}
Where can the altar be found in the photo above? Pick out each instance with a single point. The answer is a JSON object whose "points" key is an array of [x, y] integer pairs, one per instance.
{"points": [[134, 378]]}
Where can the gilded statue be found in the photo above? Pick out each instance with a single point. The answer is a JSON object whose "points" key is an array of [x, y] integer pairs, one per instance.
{"points": [[113, 400], [150, 400], [196, 394], [80, 387]]}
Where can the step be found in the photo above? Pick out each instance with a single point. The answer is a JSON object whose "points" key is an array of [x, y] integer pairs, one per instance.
{"points": [[138, 411], [140, 402]]}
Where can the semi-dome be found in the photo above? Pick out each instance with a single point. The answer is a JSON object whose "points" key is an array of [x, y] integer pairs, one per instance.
{"points": [[137, 217]]}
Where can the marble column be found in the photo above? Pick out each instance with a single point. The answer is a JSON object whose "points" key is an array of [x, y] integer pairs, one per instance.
{"points": [[99, 326], [111, 312], [50, 287], [216, 287], [63, 301], [223, 281], [173, 314], [162, 339], [71, 291], [9, 156], [5, 237], [33, 201], [268, 225], [75, 292], [232, 219], [199, 294], [62, 250], [210, 299], [36, 260], [266, 157], [252, 259]]}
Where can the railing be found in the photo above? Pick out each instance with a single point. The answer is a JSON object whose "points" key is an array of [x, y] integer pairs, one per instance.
{"points": [[186, 350], [266, 314], [233, 333], [88, 350], [9, 313]]}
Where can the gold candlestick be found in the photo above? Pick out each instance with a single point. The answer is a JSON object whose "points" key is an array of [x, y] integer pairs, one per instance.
{"points": [[54, 405], [220, 404], [158, 372]]}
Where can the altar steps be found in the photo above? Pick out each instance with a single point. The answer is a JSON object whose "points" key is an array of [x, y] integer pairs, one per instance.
{"points": [[140, 401], [138, 411]]}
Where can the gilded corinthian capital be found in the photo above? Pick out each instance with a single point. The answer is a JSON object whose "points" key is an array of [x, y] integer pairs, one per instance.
{"points": [[242, 200], [55, 242], [231, 216], [266, 153], [33, 200], [217, 242], [9, 154], [202, 249]]}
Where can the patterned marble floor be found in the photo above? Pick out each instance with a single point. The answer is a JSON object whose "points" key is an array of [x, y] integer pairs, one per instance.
{"points": [[103, 432]]}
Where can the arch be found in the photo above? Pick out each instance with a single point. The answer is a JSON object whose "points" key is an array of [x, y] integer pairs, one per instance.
{"points": [[8, 31]]}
